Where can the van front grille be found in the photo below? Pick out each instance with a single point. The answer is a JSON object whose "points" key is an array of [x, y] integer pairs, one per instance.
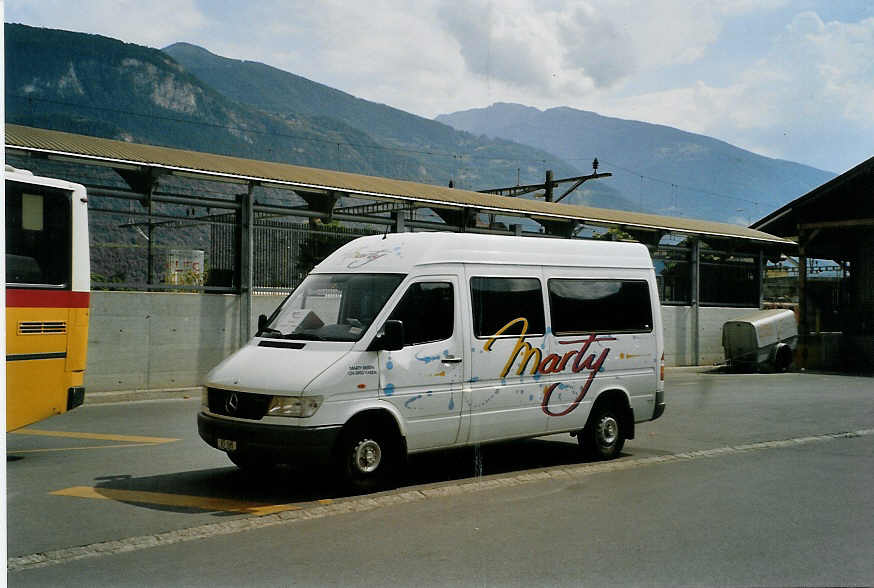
{"points": [[242, 405], [42, 328]]}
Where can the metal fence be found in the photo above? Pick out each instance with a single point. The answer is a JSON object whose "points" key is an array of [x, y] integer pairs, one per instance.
{"points": [[186, 234], [182, 250], [726, 278], [284, 251]]}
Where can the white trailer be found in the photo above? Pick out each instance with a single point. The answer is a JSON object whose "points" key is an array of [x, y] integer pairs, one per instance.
{"points": [[764, 339]]}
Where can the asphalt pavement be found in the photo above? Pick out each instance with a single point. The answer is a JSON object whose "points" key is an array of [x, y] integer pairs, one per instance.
{"points": [[746, 480]]}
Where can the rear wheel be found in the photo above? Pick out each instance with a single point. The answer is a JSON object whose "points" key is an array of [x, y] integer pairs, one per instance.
{"points": [[604, 436], [367, 459], [782, 357]]}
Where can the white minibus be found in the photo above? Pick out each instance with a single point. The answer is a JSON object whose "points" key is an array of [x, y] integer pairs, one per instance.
{"points": [[411, 342]]}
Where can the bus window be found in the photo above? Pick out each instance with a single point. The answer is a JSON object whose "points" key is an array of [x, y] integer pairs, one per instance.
{"points": [[38, 235]]}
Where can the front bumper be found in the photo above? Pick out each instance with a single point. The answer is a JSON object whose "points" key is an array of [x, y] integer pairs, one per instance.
{"points": [[659, 404], [282, 444], [75, 397]]}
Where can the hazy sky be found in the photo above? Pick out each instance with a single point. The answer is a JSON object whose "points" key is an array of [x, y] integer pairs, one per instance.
{"points": [[788, 79]]}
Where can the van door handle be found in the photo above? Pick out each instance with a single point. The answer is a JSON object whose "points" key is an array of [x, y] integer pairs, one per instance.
{"points": [[451, 360]]}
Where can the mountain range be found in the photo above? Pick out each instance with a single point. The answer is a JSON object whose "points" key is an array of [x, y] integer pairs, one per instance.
{"points": [[99, 86], [186, 97], [663, 169]]}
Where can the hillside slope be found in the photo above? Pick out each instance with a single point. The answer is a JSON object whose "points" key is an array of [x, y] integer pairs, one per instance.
{"points": [[99, 86], [662, 169], [442, 153]]}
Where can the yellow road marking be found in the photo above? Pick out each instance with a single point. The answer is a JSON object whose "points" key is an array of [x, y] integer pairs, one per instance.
{"points": [[178, 500], [17, 451], [99, 436]]}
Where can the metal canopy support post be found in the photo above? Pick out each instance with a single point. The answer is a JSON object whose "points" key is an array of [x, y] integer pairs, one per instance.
{"points": [[696, 300], [144, 182], [802, 299], [247, 247], [762, 269], [398, 218], [150, 262]]}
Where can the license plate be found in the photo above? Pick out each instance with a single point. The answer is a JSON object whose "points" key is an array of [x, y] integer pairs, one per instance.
{"points": [[226, 444]]}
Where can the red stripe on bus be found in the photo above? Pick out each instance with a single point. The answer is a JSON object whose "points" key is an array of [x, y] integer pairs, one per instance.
{"points": [[22, 298]]}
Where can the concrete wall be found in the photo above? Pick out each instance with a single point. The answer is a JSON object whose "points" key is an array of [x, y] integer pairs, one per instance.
{"points": [[677, 322], [160, 340]]}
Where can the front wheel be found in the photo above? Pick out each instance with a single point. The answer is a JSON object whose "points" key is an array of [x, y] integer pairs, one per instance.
{"points": [[603, 437], [367, 459]]}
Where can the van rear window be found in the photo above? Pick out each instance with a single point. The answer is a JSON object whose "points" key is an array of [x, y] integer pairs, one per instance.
{"points": [[500, 301], [599, 306]]}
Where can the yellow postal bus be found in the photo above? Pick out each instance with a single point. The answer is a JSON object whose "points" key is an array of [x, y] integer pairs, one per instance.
{"points": [[47, 296]]}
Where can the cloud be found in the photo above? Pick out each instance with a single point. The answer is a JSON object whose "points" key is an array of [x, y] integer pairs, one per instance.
{"points": [[561, 50], [502, 42], [596, 46], [430, 56], [153, 24], [808, 99]]}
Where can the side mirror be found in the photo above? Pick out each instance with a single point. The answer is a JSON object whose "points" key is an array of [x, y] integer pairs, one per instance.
{"points": [[391, 339], [262, 324]]}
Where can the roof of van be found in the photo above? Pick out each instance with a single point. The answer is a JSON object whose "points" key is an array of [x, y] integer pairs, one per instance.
{"points": [[401, 252]]}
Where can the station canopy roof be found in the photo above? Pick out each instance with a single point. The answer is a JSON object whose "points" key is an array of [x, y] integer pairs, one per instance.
{"points": [[843, 207], [306, 179]]}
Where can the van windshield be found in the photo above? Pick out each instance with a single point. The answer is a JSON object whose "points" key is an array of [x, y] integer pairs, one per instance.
{"points": [[332, 307]]}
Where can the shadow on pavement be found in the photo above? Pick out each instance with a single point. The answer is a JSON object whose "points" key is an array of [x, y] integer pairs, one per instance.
{"points": [[284, 485]]}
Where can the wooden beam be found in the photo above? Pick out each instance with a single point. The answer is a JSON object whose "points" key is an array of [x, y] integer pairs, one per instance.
{"points": [[859, 222]]}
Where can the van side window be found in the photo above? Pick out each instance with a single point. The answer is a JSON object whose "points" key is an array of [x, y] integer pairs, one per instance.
{"points": [[599, 306], [499, 301], [427, 311]]}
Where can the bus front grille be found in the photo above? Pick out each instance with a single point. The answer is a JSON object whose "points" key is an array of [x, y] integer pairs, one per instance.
{"points": [[242, 405]]}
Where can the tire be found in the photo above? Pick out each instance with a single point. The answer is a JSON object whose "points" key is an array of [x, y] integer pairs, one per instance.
{"points": [[782, 358], [604, 435], [250, 462], [367, 459]]}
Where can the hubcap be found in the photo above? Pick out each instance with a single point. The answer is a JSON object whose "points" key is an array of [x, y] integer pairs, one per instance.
{"points": [[367, 455], [608, 431]]}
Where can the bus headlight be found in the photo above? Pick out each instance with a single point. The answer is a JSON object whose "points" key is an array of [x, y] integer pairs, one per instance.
{"points": [[294, 406]]}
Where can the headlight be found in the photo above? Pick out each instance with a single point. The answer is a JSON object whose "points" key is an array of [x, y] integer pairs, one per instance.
{"points": [[294, 406]]}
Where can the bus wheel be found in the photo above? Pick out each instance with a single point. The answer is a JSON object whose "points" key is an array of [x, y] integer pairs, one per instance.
{"points": [[367, 459], [603, 437], [250, 462]]}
